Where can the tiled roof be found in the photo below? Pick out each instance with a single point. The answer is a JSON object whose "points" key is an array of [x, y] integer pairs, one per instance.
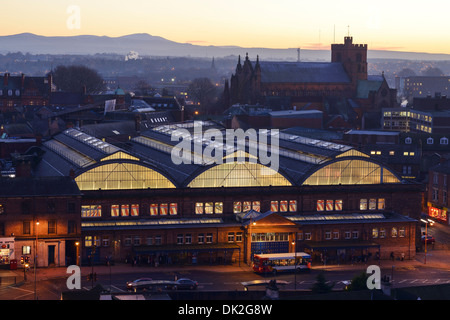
{"points": [[303, 72]]}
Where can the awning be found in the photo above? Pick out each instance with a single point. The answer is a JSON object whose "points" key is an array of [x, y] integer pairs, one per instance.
{"points": [[186, 248], [341, 245]]}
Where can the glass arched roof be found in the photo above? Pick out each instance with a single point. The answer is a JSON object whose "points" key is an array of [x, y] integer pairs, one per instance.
{"points": [[351, 171], [124, 175], [239, 174]]}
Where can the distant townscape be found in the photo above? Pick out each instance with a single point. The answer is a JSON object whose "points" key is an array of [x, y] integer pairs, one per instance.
{"points": [[361, 141]]}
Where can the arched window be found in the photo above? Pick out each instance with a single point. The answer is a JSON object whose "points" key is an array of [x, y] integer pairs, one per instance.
{"points": [[239, 175], [430, 141], [122, 176], [351, 172], [408, 140]]}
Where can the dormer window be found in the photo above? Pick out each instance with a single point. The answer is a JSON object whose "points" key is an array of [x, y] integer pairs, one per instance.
{"points": [[430, 141], [444, 140]]}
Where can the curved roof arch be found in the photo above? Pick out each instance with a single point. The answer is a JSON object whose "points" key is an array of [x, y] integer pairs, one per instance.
{"points": [[123, 174], [351, 171], [239, 174]]}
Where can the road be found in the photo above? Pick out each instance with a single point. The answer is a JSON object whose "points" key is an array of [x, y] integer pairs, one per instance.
{"points": [[210, 280]]}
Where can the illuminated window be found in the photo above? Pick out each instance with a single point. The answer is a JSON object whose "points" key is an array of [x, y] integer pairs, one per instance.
{"points": [[209, 208], [247, 206], [274, 206], [284, 206], [330, 205], [363, 204], [237, 207], [394, 232], [338, 205], [115, 210], [320, 205], [256, 205], [351, 172], [293, 206], [381, 204], [239, 175], [118, 176], [93, 211], [375, 233], [134, 210], [372, 204], [154, 209], [199, 208], [173, 209], [88, 241], [218, 207], [402, 232], [382, 233], [163, 209], [124, 210]]}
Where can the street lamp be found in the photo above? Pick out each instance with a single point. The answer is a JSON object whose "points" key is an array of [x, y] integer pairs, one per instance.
{"points": [[426, 234], [35, 259], [295, 265], [77, 245]]}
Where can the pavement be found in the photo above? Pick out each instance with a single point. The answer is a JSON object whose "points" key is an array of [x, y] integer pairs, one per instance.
{"points": [[439, 259]]}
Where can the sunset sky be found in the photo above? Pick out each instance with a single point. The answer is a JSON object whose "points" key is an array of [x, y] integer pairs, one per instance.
{"points": [[415, 25]]}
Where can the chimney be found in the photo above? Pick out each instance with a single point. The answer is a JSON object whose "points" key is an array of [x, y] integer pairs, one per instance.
{"points": [[5, 79]]}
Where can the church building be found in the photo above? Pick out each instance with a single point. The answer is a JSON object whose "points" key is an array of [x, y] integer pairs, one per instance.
{"points": [[341, 89]]}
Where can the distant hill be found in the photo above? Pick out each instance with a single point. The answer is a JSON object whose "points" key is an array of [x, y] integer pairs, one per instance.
{"points": [[148, 45]]}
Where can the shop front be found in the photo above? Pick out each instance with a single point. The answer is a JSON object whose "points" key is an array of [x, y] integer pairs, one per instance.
{"points": [[6, 251], [438, 213]]}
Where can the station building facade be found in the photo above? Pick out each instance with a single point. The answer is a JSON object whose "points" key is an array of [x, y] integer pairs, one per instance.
{"points": [[139, 205]]}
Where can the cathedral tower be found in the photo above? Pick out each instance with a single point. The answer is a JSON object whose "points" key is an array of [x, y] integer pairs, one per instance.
{"points": [[353, 58]]}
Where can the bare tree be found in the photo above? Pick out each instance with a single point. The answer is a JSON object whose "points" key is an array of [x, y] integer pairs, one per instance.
{"points": [[78, 78], [203, 91]]}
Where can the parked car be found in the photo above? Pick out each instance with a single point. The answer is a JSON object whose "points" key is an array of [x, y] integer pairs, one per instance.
{"points": [[428, 239], [138, 283], [185, 283]]}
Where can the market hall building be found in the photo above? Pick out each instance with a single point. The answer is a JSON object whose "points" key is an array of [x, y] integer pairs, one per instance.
{"points": [[138, 205]]}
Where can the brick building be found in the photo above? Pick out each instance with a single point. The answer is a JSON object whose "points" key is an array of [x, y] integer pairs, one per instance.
{"points": [[342, 86], [40, 211], [139, 204], [19, 91]]}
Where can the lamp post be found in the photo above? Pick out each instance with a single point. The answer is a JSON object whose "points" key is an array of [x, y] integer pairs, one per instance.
{"points": [[35, 259], [426, 235], [77, 246], [295, 264]]}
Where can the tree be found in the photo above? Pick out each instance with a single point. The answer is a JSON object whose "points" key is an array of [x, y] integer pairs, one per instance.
{"points": [[142, 87], [359, 282], [321, 285], [432, 72], [204, 92], [77, 78]]}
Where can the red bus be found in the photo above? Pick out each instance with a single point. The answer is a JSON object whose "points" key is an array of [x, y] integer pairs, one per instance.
{"points": [[278, 262]]}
